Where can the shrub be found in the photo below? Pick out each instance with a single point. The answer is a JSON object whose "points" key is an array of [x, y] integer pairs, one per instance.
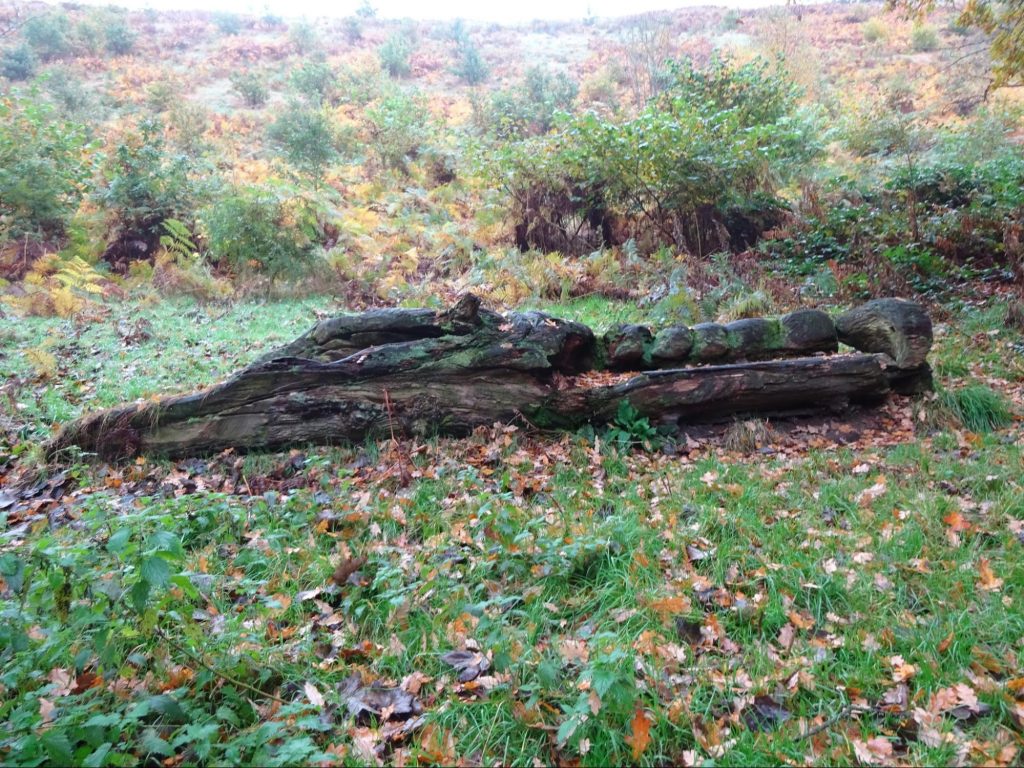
{"points": [[716, 139], [529, 109], [365, 10], [304, 37], [143, 185], [874, 30], [49, 35], [316, 81], [395, 55], [352, 26], [68, 91], [308, 140], [259, 229], [228, 23], [19, 62], [120, 36], [923, 38], [471, 66], [397, 128], [251, 88], [43, 165]]}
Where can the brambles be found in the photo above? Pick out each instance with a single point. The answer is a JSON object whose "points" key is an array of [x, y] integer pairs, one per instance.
{"points": [[717, 138]]}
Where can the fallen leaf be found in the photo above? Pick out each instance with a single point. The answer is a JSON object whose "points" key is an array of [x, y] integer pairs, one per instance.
{"points": [[346, 569], [765, 714], [361, 700], [470, 664], [315, 697], [639, 737], [988, 580]]}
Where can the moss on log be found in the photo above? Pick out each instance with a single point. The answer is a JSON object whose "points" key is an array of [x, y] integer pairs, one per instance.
{"points": [[424, 372]]}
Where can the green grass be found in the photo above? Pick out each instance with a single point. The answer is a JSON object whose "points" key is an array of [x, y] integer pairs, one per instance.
{"points": [[177, 609]]}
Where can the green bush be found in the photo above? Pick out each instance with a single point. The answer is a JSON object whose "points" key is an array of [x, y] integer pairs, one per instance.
{"points": [[923, 38], [308, 140], [716, 139], [120, 36], [352, 26], [252, 89], [304, 37], [395, 54], [228, 23], [529, 108], [261, 229], [143, 185], [49, 35], [43, 166], [471, 66], [874, 30], [19, 63], [316, 81], [398, 128], [68, 91]]}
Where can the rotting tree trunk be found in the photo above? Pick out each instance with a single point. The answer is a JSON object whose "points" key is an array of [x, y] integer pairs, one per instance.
{"points": [[422, 372]]}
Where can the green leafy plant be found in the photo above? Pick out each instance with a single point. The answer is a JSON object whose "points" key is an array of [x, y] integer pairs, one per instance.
{"points": [[398, 128], [251, 87], [630, 429], [43, 165], [316, 81], [923, 38], [19, 62], [270, 231], [228, 23], [120, 37], [49, 35], [308, 140], [470, 66], [394, 54]]}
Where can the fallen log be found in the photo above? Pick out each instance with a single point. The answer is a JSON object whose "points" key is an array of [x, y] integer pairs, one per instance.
{"points": [[422, 372]]}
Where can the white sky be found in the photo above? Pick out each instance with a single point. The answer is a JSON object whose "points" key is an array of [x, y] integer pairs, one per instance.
{"points": [[502, 10]]}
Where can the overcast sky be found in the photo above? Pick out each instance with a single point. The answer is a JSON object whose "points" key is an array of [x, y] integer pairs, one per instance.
{"points": [[505, 10]]}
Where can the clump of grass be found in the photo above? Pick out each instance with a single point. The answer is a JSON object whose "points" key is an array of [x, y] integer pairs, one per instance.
{"points": [[923, 38], [874, 30], [748, 436], [976, 407]]}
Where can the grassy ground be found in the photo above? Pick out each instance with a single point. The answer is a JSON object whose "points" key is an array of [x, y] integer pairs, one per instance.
{"points": [[811, 602]]}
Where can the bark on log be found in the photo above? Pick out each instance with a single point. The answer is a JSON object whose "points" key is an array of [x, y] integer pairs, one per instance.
{"points": [[421, 372]]}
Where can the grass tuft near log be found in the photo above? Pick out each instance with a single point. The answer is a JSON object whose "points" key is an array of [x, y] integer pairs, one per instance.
{"points": [[416, 371]]}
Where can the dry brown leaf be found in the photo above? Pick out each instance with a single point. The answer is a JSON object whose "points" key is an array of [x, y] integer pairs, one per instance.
{"points": [[639, 737]]}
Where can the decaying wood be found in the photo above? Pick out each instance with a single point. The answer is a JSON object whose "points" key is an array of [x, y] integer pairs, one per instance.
{"points": [[422, 372]]}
